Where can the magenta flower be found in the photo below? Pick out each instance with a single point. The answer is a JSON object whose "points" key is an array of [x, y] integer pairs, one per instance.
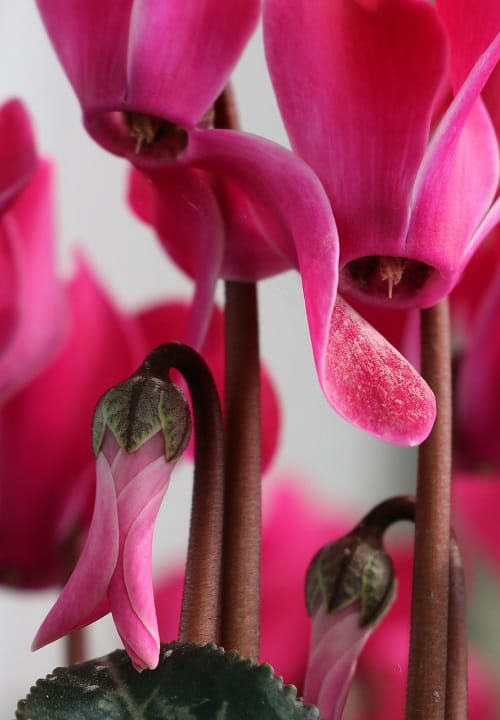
{"points": [[234, 206], [382, 99], [17, 152], [100, 345], [31, 312], [163, 59], [135, 457], [251, 209], [336, 644]]}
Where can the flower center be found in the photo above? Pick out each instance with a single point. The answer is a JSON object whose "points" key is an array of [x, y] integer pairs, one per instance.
{"points": [[385, 276], [148, 130]]}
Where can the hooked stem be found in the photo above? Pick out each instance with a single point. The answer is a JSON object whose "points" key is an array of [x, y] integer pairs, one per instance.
{"points": [[201, 597]]}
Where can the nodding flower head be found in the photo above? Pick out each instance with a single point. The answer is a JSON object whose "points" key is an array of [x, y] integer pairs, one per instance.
{"points": [[140, 429]]}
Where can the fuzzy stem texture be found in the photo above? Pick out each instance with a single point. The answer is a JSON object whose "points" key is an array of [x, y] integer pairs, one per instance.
{"points": [[456, 678], [201, 597], [240, 622], [242, 519], [426, 696]]}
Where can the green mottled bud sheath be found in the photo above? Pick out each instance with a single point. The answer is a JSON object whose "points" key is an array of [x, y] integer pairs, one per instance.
{"points": [[349, 570], [139, 407]]}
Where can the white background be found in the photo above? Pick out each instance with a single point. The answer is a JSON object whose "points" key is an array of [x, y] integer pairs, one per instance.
{"points": [[341, 464]]}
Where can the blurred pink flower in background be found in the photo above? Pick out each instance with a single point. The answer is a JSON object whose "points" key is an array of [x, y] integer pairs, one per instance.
{"points": [[31, 309]]}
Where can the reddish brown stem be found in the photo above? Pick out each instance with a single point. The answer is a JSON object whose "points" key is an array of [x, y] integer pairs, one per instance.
{"points": [[225, 110], [242, 518], [201, 598], [456, 679], [426, 698]]}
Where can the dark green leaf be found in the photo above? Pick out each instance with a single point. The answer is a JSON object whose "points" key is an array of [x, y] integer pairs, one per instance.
{"points": [[190, 683]]}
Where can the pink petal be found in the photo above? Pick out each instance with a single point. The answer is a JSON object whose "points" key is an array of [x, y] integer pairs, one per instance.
{"points": [[471, 27], [179, 62], [302, 231], [91, 39], [131, 589], [37, 315], [370, 384], [18, 157], [80, 602], [457, 182], [356, 90], [336, 643], [183, 209], [162, 58]]}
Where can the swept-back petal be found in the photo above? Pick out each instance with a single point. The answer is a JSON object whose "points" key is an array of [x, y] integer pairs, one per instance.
{"points": [[181, 206], [80, 602], [181, 54], [38, 315], [457, 182], [365, 379], [295, 218], [370, 384], [356, 90], [18, 157]]}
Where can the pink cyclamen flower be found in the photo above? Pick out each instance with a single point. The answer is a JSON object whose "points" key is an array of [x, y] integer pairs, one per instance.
{"points": [[135, 456], [100, 345], [134, 79], [31, 308], [382, 99], [243, 208], [163, 60]]}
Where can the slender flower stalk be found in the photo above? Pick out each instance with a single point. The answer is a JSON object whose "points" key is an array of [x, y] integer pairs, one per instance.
{"points": [[240, 628], [242, 518], [429, 633], [200, 603], [456, 666]]}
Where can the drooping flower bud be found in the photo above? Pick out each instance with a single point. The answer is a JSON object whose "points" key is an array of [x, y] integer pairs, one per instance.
{"points": [[137, 409], [349, 586], [140, 429]]}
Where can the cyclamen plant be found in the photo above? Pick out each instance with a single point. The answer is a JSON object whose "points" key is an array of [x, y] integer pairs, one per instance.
{"points": [[391, 186]]}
